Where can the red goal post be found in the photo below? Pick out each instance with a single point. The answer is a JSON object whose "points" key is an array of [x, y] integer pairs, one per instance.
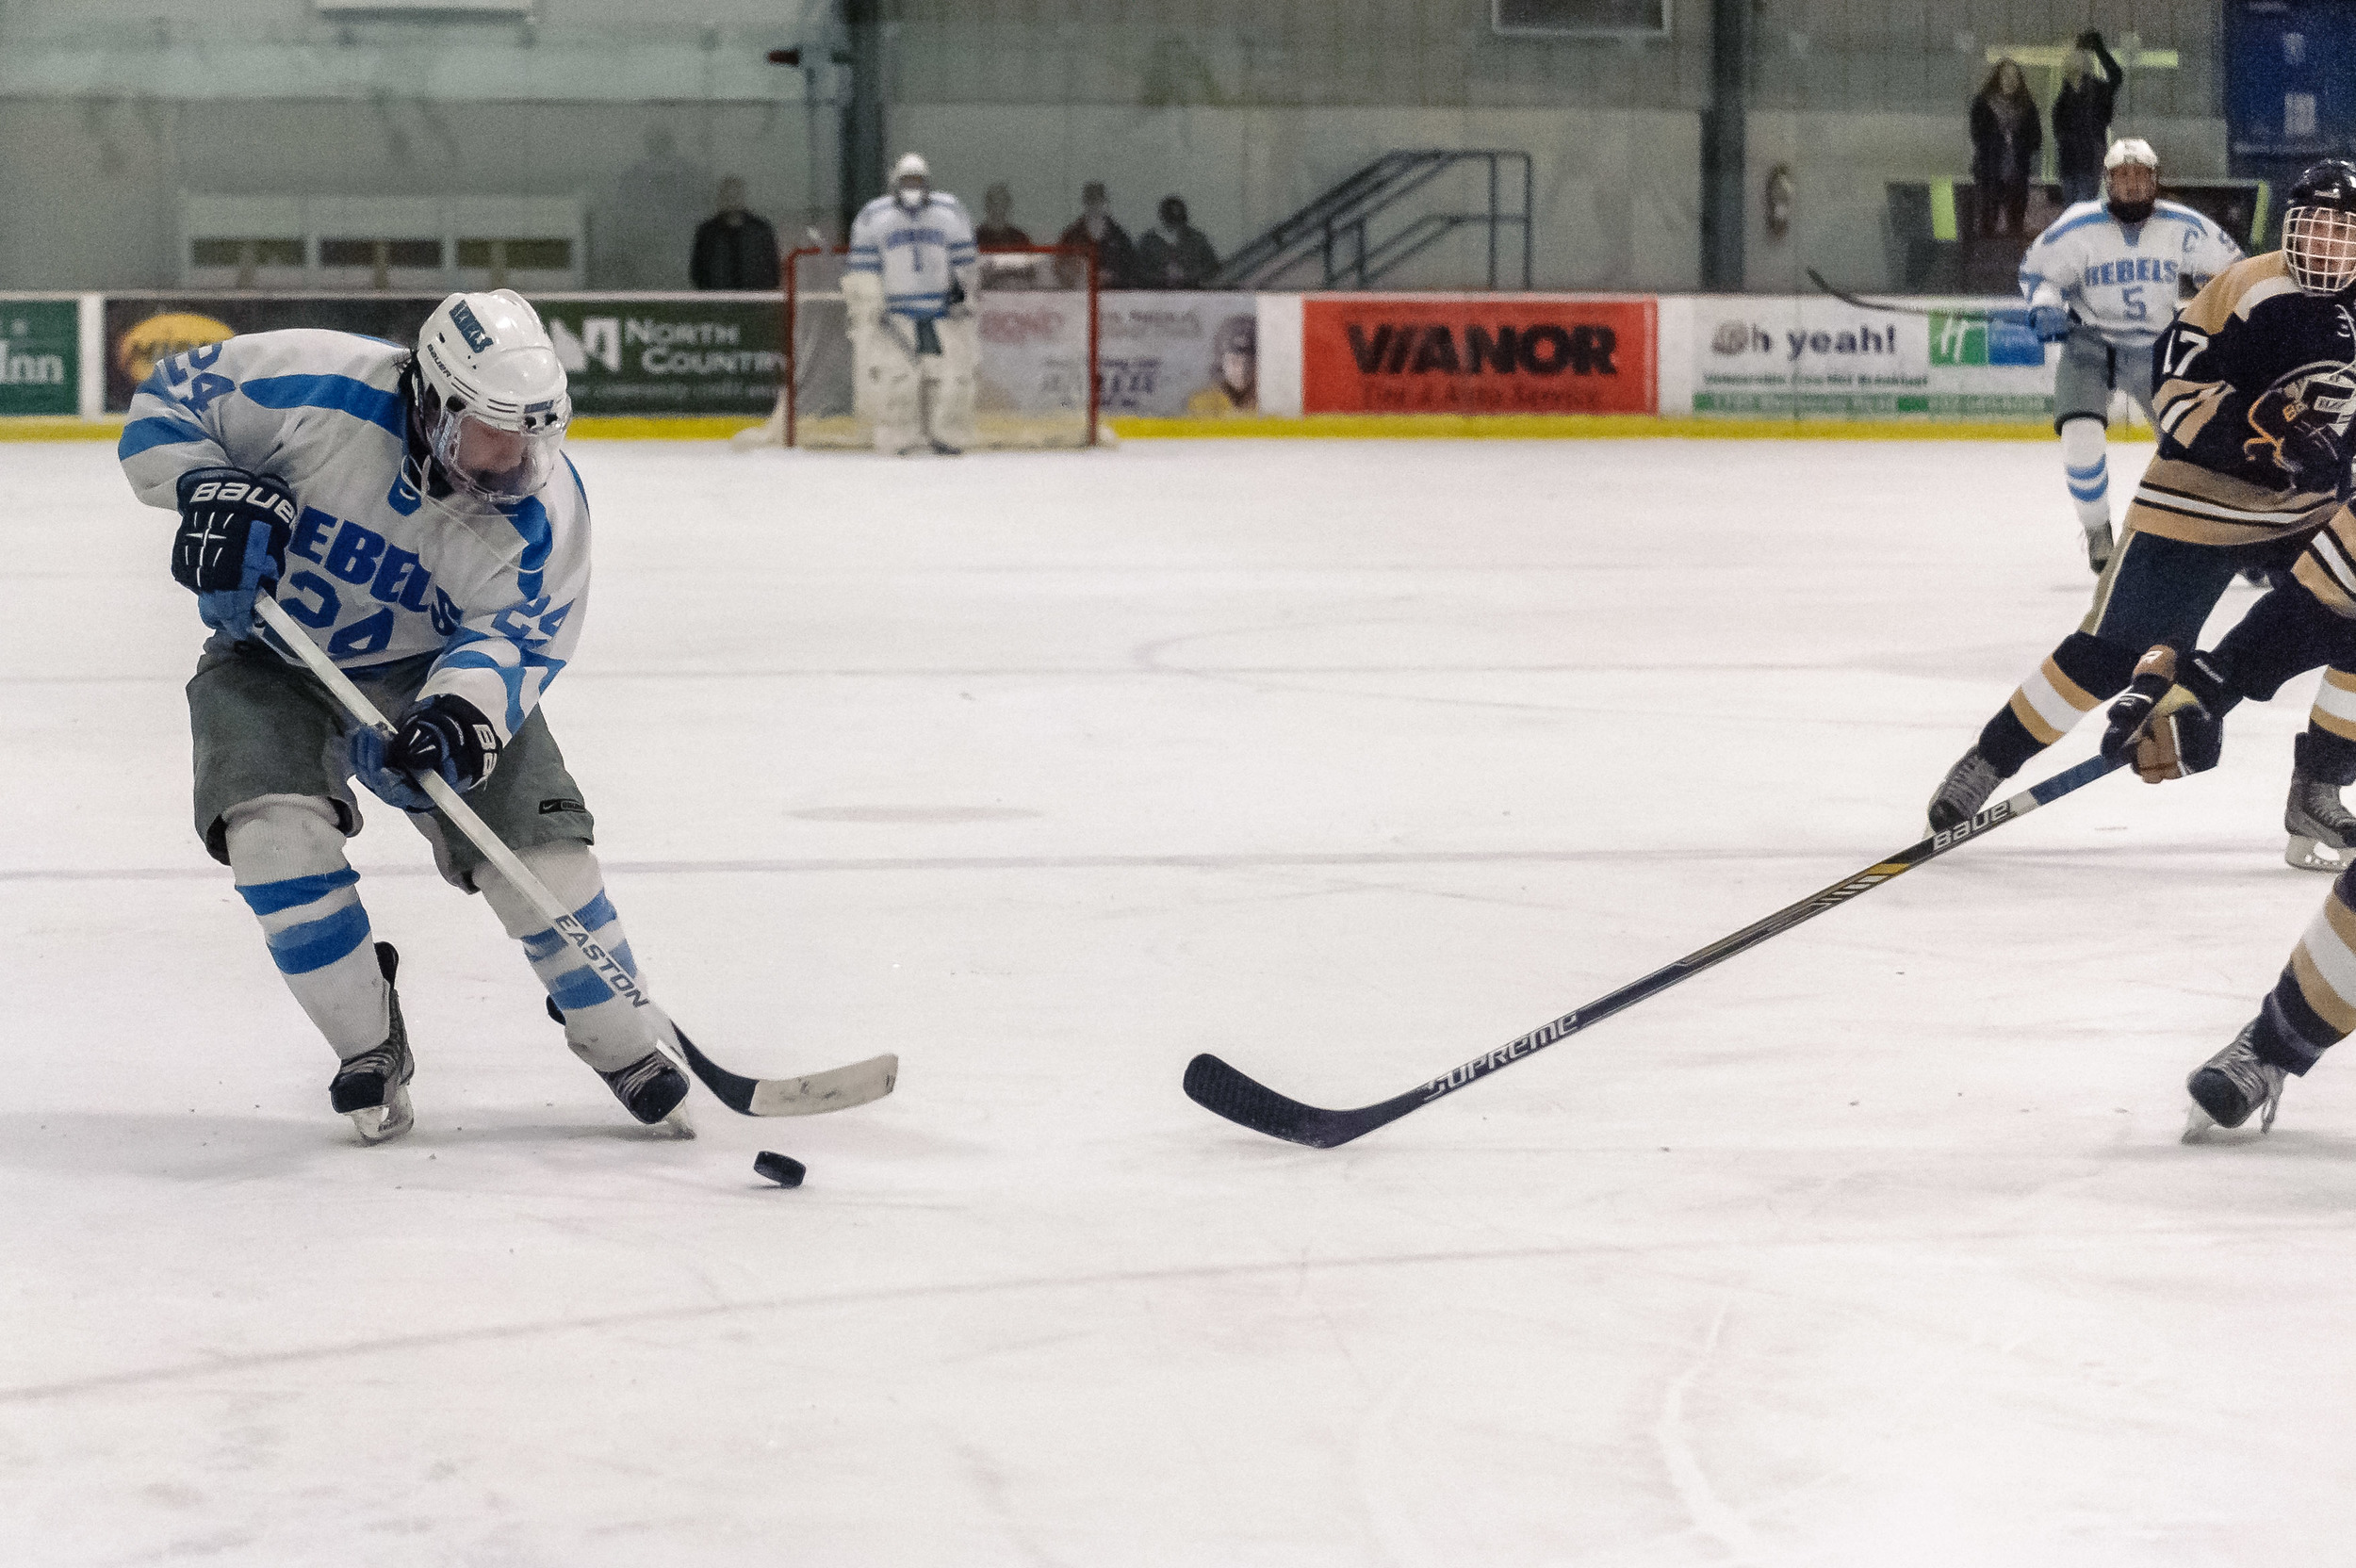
{"points": [[1036, 386]]}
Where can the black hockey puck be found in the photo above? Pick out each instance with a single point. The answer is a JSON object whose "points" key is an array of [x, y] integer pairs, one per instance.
{"points": [[779, 1168]]}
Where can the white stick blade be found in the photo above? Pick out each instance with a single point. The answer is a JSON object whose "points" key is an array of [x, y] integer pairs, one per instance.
{"points": [[836, 1089]]}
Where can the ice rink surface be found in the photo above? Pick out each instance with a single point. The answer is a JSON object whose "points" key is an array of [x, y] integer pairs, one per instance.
{"points": [[1347, 760]]}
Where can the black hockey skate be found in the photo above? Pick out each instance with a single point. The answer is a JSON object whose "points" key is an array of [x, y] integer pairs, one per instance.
{"points": [[372, 1088], [2322, 833], [652, 1088], [2231, 1085], [1963, 791], [2099, 547]]}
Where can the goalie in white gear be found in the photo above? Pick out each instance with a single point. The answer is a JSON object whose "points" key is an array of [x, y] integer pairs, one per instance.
{"points": [[2102, 280], [910, 293]]}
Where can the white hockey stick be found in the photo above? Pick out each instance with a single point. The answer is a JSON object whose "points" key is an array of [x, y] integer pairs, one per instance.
{"points": [[834, 1091]]}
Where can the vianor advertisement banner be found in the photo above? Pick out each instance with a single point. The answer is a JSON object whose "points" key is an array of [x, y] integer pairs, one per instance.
{"points": [[661, 354], [1938, 359]]}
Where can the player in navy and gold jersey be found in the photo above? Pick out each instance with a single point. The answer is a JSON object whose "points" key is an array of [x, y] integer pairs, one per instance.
{"points": [[2255, 387]]}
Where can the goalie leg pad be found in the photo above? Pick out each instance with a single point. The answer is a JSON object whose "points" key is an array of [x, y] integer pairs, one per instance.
{"points": [[959, 367], [891, 392]]}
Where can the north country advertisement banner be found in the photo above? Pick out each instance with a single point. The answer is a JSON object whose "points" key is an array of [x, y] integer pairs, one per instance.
{"points": [[1485, 353], [1942, 359], [660, 354], [40, 356]]}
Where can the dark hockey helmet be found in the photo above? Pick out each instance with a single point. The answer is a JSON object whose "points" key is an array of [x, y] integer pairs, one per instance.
{"points": [[2319, 227]]}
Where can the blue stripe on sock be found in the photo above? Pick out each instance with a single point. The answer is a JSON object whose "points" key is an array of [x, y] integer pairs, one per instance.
{"points": [[576, 989], [2088, 471], [595, 915], [269, 898], [315, 944], [621, 956], [2094, 492]]}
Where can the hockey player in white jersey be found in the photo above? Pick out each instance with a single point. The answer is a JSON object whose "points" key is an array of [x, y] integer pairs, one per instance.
{"points": [[2102, 280], [414, 511], [909, 289]]}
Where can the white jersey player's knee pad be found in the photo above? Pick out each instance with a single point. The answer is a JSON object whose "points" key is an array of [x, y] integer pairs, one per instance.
{"points": [[287, 854], [272, 838]]}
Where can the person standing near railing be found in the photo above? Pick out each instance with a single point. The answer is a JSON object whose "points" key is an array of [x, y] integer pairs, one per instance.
{"points": [[2082, 117], [2006, 139]]}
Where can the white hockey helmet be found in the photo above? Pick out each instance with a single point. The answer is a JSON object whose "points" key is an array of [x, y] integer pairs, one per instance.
{"points": [[911, 168], [2131, 199], [491, 397]]}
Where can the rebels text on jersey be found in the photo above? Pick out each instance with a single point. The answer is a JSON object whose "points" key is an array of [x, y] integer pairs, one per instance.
{"points": [[2121, 279], [916, 254], [378, 572]]}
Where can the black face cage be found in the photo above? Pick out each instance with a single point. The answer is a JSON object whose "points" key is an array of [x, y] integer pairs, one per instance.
{"points": [[2319, 246]]}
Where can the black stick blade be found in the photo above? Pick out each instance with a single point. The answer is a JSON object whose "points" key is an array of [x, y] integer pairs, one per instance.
{"points": [[1223, 1091], [731, 1089]]}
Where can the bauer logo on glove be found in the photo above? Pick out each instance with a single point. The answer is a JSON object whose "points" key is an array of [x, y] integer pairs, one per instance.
{"points": [[2170, 722]]}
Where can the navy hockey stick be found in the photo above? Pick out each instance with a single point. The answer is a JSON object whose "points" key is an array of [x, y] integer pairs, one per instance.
{"points": [[1220, 1089]]}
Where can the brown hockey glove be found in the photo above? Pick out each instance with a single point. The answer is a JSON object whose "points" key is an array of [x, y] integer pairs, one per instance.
{"points": [[2169, 723]]}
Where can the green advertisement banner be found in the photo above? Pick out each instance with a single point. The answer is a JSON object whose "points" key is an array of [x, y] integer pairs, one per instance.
{"points": [[715, 353], [41, 359]]}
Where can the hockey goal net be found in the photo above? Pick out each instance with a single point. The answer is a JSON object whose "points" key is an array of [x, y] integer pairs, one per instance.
{"points": [[1036, 382]]}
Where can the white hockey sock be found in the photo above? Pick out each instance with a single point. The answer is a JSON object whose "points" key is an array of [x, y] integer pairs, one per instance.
{"points": [[604, 1029], [2087, 466], [288, 859]]}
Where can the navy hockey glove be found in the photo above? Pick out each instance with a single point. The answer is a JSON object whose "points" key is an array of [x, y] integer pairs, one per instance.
{"points": [[2301, 440], [445, 734], [2170, 722], [2050, 322], [232, 542]]}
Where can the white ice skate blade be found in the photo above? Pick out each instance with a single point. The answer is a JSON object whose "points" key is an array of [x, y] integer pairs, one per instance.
{"points": [[2306, 854], [676, 1125], [2198, 1124], [382, 1123]]}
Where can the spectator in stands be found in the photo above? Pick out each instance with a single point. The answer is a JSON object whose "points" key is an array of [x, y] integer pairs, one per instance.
{"points": [[734, 247], [2005, 138], [1175, 256], [1094, 229], [2082, 117], [998, 231]]}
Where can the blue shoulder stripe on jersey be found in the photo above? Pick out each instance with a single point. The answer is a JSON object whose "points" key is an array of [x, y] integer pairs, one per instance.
{"points": [[340, 393], [270, 898], [532, 520], [143, 435], [2068, 225]]}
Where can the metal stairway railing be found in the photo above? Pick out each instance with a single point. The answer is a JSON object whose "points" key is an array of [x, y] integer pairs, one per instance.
{"points": [[1332, 229]]}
